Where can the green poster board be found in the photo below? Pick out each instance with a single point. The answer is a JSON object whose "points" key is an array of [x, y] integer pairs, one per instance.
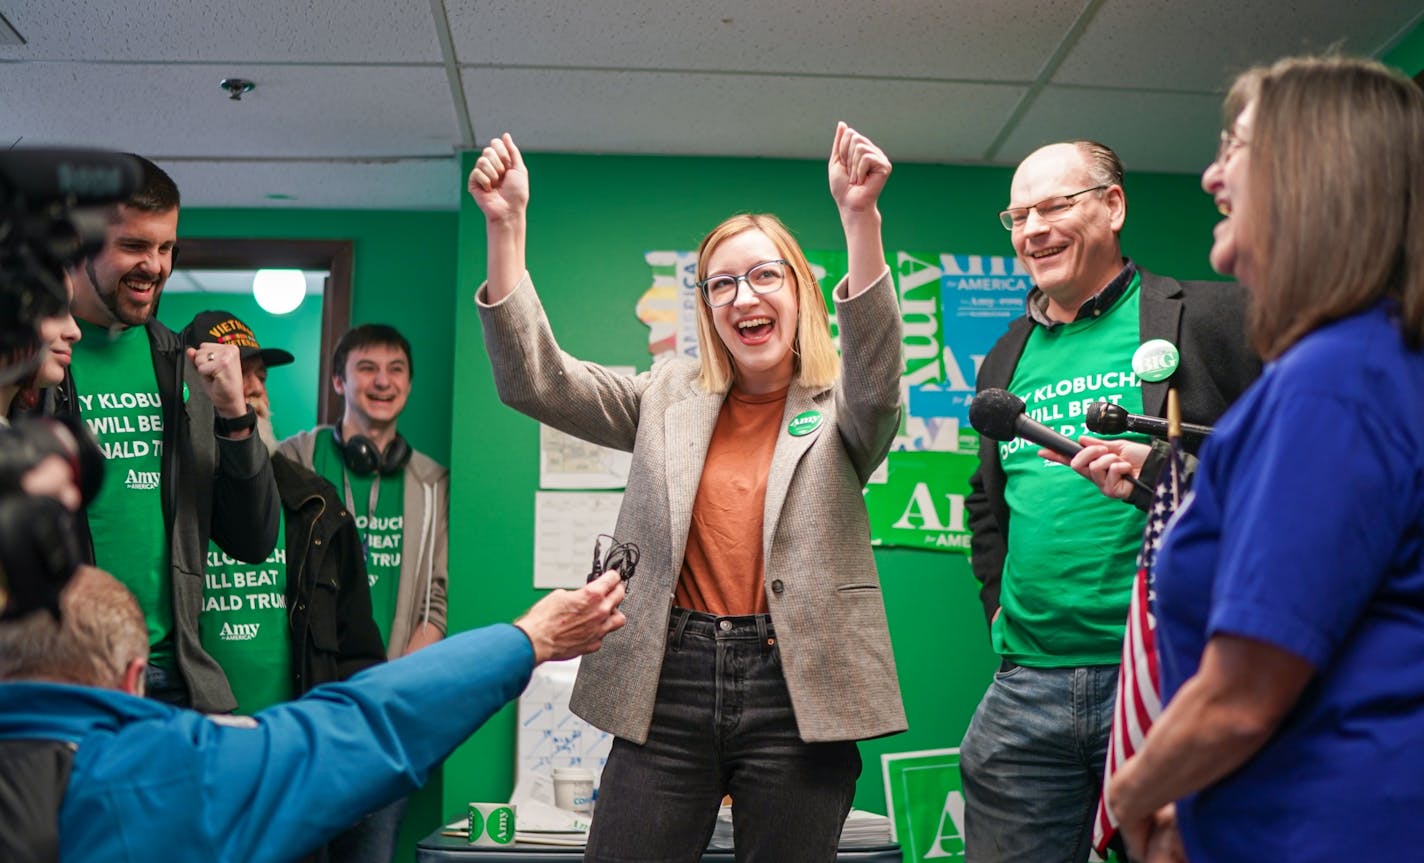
{"points": [[917, 500], [926, 803]]}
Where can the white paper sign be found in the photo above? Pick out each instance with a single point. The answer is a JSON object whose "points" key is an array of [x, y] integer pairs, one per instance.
{"points": [[551, 736], [567, 462]]}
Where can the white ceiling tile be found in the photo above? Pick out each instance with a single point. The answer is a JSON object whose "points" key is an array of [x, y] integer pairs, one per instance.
{"points": [[340, 31], [691, 114], [1202, 44], [191, 281], [1149, 131], [340, 81], [406, 185], [327, 111], [959, 40]]}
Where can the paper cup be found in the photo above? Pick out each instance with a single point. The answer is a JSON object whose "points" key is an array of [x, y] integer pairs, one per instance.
{"points": [[573, 789], [491, 824]]}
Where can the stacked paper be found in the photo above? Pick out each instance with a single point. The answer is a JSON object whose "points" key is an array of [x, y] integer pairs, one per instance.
{"points": [[862, 829]]}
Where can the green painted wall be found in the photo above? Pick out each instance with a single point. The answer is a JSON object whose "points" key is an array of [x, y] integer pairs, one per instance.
{"points": [[403, 274], [591, 219], [1407, 54]]}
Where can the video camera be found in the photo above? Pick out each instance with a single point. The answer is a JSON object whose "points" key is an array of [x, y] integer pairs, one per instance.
{"points": [[53, 213]]}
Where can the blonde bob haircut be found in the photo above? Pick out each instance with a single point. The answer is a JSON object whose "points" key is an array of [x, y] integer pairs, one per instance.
{"points": [[816, 363], [1336, 183]]}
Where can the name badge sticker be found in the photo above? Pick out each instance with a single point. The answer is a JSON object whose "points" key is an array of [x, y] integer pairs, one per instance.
{"points": [[1155, 360], [804, 423]]}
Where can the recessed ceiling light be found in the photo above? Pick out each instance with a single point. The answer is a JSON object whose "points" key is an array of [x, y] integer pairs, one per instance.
{"points": [[279, 291]]}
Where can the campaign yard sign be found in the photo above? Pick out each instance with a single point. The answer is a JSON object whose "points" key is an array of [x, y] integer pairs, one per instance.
{"points": [[926, 803]]}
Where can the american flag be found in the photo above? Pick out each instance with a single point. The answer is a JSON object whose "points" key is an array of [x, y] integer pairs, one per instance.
{"points": [[1139, 684]]}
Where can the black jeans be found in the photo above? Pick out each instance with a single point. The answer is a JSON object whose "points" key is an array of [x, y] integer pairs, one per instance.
{"points": [[723, 724], [166, 685]]}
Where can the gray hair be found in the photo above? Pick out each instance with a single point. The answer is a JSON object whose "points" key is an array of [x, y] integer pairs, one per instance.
{"points": [[100, 632], [1104, 167]]}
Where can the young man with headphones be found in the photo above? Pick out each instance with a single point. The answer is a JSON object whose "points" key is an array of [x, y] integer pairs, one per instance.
{"points": [[401, 501], [400, 497]]}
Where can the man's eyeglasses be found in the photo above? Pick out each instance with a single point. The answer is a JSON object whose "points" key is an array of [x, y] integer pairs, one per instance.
{"points": [[765, 278], [1230, 143], [1049, 209]]}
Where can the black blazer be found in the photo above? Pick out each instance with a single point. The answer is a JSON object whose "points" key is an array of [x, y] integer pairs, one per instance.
{"points": [[1205, 320]]}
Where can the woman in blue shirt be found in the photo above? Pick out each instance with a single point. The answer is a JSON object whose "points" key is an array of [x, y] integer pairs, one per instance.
{"points": [[1290, 586]]}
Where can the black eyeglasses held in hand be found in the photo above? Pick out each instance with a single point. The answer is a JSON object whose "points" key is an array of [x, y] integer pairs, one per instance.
{"points": [[612, 554]]}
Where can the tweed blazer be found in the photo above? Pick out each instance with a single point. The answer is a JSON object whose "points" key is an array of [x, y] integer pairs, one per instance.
{"points": [[1205, 320], [822, 587]]}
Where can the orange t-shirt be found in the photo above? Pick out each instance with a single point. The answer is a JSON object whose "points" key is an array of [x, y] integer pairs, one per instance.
{"points": [[722, 570]]}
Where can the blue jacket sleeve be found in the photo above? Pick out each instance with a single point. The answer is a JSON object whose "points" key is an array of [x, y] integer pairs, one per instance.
{"points": [[305, 771]]}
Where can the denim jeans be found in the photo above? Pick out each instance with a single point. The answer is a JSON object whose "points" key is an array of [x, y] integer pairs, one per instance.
{"points": [[1032, 764], [723, 724], [370, 840], [166, 685]]}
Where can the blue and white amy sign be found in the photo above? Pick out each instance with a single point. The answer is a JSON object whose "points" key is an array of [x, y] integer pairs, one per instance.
{"points": [[955, 308]]}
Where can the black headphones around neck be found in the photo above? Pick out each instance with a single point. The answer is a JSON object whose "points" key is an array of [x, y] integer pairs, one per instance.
{"points": [[363, 457]]}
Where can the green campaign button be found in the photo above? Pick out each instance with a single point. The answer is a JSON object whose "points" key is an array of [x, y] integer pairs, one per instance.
{"points": [[1155, 360], [804, 423]]}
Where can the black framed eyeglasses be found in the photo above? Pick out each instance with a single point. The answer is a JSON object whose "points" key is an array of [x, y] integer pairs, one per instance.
{"points": [[609, 553], [1049, 209], [767, 277]]}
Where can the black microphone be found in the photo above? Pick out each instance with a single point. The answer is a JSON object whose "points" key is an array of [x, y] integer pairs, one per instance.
{"points": [[77, 176], [1108, 418], [999, 415]]}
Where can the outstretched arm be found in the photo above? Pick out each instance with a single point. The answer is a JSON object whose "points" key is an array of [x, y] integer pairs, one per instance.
{"points": [[499, 183], [568, 623], [858, 171]]}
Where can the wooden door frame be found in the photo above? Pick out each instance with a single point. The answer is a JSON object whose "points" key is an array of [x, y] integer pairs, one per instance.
{"points": [[333, 256]]}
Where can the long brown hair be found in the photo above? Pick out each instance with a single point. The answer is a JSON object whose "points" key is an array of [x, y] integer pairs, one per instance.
{"points": [[1336, 187], [816, 362]]}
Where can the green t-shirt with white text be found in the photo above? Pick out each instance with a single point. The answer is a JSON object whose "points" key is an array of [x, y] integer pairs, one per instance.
{"points": [[244, 627], [1072, 552], [377, 503], [118, 397]]}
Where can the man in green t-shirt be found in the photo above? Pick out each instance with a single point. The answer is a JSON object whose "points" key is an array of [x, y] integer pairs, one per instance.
{"points": [[183, 462], [400, 499], [399, 496], [302, 617], [1055, 557]]}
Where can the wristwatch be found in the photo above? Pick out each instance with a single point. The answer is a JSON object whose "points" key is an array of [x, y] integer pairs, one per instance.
{"points": [[226, 427]]}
